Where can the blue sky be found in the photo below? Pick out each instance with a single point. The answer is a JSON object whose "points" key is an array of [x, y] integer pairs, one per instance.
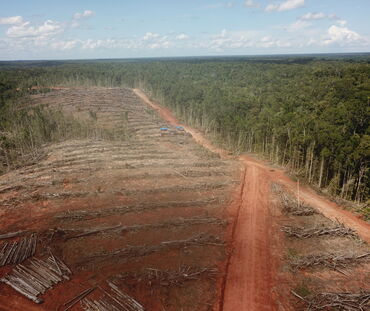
{"points": [[46, 29]]}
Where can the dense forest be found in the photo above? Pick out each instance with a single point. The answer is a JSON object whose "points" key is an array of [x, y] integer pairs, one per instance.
{"points": [[308, 114]]}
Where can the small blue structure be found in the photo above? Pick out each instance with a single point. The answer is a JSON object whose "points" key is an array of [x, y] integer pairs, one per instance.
{"points": [[164, 128]]}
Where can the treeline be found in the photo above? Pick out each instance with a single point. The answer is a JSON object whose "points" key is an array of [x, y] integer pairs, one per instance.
{"points": [[311, 116]]}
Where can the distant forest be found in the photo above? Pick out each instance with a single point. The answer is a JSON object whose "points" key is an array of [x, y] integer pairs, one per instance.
{"points": [[309, 114]]}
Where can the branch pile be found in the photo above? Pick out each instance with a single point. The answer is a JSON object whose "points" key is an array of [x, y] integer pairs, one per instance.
{"points": [[170, 277], [83, 215], [37, 276], [144, 250], [114, 300], [172, 223], [291, 205], [302, 233], [337, 301], [331, 261], [18, 251]]}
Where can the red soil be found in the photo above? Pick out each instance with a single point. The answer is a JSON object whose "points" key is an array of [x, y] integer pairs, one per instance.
{"points": [[252, 269]]}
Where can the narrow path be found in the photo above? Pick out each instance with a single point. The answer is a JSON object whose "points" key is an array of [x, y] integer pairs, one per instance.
{"points": [[252, 272], [252, 267]]}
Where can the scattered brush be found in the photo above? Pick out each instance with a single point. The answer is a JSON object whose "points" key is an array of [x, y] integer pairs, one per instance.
{"points": [[145, 250], [291, 205], [302, 233], [167, 224], [337, 301], [141, 207], [331, 261], [176, 277]]}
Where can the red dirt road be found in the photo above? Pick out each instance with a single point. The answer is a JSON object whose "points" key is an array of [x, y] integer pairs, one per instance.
{"points": [[252, 269]]}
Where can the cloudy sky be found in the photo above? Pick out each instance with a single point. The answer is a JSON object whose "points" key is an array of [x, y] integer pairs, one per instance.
{"points": [[48, 29]]}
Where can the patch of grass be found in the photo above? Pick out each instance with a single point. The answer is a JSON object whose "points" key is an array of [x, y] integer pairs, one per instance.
{"points": [[204, 153], [292, 253], [303, 289]]}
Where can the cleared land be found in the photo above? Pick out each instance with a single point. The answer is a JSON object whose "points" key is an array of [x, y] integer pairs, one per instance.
{"points": [[145, 210], [173, 224]]}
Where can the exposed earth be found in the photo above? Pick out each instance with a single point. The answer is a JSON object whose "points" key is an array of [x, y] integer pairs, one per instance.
{"points": [[175, 222]]}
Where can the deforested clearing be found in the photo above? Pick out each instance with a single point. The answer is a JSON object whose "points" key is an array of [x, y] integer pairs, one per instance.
{"points": [[169, 193]]}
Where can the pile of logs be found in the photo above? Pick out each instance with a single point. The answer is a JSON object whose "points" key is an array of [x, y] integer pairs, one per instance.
{"points": [[290, 205], [302, 233], [18, 251], [176, 277], [114, 300], [337, 301], [331, 261], [36, 276]]}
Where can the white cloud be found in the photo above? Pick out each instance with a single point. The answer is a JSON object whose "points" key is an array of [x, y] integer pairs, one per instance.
{"points": [[342, 22], [313, 16], [341, 36], [182, 36], [85, 14], [154, 41], [298, 25], [251, 4], [243, 40], [229, 4], [94, 44], [11, 20], [285, 6], [320, 15], [64, 45], [150, 36], [49, 28]]}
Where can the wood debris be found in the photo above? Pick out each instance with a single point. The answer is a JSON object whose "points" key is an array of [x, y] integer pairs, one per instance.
{"points": [[70, 303], [144, 250], [331, 261], [291, 205], [92, 214], [37, 276], [302, 233], [18, 251], [119, 228], [113, 300], [11, 234], [175, 277], [337, 301]]}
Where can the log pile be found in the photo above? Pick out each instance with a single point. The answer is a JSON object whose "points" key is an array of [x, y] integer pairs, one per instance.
{"points": [[291, 205], [302, 233], [18, 251], [337, 301], [176, 277], [331, 261], [37, 276], [113, 300]]}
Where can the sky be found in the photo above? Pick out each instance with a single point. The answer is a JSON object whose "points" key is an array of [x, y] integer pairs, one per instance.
{"points": [[88, 29]]}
